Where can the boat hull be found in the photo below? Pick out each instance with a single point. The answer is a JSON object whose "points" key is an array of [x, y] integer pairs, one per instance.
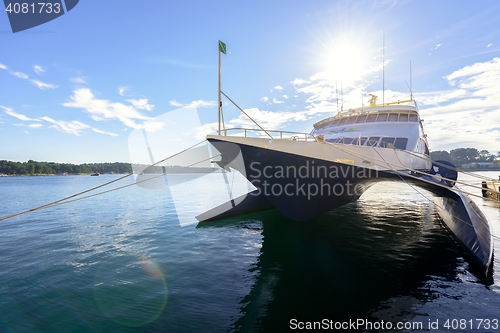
{"points": [[306, 181], [301, 187]]}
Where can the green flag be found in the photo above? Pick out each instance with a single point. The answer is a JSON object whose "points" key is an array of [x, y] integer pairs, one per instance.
{"points": [[222, 47]]}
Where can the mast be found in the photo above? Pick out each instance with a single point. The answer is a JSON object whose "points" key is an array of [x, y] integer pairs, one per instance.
{"points": [[218, 96], [383, 68], [222, 49]]}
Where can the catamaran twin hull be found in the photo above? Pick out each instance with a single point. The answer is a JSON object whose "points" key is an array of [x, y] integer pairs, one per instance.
{"points": [[306, 179]]}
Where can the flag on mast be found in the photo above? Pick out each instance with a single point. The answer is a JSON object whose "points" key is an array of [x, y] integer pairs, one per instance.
{"points": [[222, 47]]}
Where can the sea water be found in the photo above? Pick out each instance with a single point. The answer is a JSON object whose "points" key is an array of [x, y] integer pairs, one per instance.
{"points": [[123, 262]]}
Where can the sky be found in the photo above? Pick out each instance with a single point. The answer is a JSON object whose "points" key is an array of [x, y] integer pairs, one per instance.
{"points": [[74, 89]]}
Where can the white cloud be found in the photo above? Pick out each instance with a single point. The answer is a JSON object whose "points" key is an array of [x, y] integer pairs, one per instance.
{"points": [[19, 116], [38, 69], [20, 75], [101, 109], [298, 82], [80, 80], [39, 84], [35, 125], [194, 104], [122, 90], [264, 99], [466, 115], [285, 96], [43, 85], [463, 115], [104, 132], [280, 88], [489, 45], [267, 119], [436, 47], [141, 104], [72, 127], [276, 101]]}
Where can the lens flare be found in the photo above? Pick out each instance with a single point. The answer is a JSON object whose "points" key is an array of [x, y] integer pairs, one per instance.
{"points": [[130, 290]]}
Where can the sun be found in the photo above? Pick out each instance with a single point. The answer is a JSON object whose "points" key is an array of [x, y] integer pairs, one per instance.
{"points": [[346, 62], [346, 59]]}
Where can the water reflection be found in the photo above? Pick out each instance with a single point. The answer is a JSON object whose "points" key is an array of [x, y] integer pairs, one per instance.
{"points": [[348, 264]]}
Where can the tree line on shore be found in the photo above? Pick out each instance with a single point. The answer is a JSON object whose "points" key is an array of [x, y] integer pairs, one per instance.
{"points": [[52, 168], [461, 156]]}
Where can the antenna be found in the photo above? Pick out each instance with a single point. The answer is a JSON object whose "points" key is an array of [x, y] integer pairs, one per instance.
{"points": [[411, 84], [342, 95], [383, 68], [337, 93]]}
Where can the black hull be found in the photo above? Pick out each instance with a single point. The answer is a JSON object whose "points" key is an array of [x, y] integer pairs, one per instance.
{"points": [[302, 188]]}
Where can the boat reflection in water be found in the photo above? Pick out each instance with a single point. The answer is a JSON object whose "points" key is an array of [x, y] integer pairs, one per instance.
{"points": [[345, 264]]}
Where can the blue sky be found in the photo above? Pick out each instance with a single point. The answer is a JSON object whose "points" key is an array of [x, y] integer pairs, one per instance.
{"points": [[73, 89]]}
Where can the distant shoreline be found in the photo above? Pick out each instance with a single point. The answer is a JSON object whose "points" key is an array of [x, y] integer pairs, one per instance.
{"points": [[57, 174]]}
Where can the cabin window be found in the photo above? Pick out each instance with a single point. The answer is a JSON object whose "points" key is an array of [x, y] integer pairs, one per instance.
{"points": [[393, 117], [362, 141], [387, 142], [382, 117], [343, 121], [335, 122], [403, 117], [372, 141], [361, 118], [413, 118], [426, 149], [348, 141], [371, 118], [351, 120], [401, 143]]}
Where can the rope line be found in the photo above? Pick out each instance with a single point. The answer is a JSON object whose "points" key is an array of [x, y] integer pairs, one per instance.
{"points": [[63, 200], [388, 164]]}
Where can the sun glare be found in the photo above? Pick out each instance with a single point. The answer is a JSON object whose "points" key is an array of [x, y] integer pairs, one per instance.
{"points": [[346, 62]]}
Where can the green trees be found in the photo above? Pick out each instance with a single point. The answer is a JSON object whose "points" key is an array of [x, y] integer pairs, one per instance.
{"points": [[460, 156], [51, 168]]}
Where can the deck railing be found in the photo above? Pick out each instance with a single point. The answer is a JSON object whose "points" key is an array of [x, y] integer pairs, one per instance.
{"points": [[300, 136]]}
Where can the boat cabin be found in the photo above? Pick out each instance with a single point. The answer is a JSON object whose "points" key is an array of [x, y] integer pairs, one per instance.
{"points": [[385, 126]]}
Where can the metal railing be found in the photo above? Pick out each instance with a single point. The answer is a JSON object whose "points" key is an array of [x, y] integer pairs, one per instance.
{"points": [[288, 135]]}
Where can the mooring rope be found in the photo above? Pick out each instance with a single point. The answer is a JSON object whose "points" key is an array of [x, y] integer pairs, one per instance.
{"points": [[67, 199], [399, 173], [388, 164]]}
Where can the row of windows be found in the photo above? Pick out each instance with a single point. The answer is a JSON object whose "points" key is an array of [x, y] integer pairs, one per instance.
{"points": [[374, 117], [374, 141]]}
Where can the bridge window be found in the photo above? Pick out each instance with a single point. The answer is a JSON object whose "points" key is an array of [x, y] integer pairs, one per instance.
{"points": [[403, 117], [387, 142], [413, 118], [372, 141], [382, 117], [351, 120], [343, 121], [361, 118], [371, 118], [401, 143], [393, 117]]}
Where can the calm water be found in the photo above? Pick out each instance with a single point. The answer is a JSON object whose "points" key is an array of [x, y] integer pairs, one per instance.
{"points": [[121, 262]]}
